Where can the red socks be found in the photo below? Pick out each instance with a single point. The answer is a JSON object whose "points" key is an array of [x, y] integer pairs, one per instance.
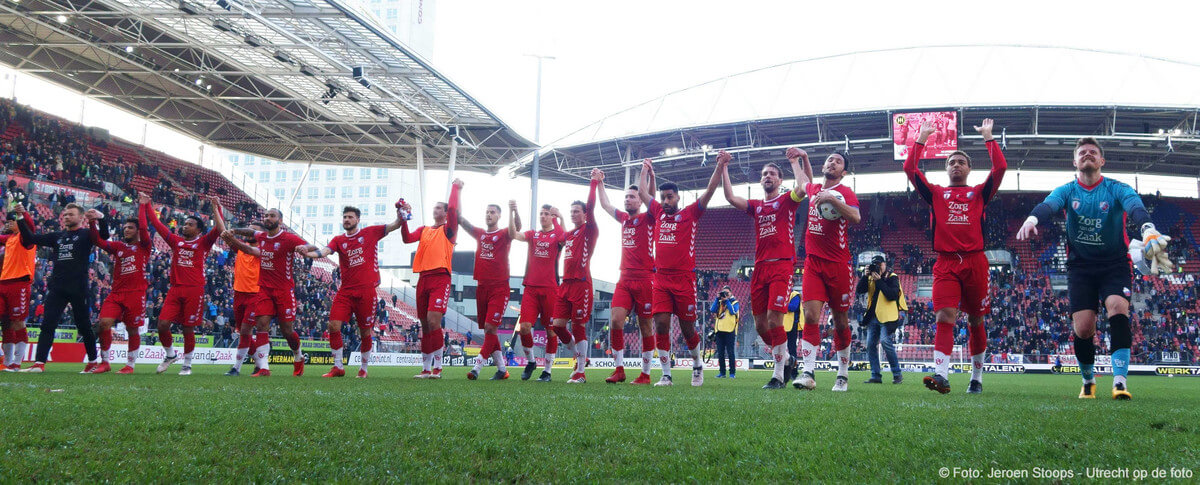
{"points": [[693, 340], [527, 340], [335, 340], [491, 343], [166, 339], [663, 341], [977, 339], [616, 337], [563, 334], [841, 337], [551, 343], [261, 339], [189, 340], [105, 339], [579, 331], [943, 338], [293, 341], [365, 345], [244, 341], [135, 340], [775, 336], [648, 343], [811, 334]]}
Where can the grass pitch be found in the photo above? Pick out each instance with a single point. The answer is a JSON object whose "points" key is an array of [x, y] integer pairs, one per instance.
{"points": [[62, 426]]}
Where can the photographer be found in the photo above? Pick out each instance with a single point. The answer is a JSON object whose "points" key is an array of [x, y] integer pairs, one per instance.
{"points": [[725, 309], [885, 306]]}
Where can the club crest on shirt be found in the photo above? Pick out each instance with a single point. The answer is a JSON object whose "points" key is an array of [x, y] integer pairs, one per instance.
{"points": [[495, 238], [360, 239], [1075, 204], [678, 218], [343, 245], [276, 246], [970, 194], [1104, 206], [775, 205]]}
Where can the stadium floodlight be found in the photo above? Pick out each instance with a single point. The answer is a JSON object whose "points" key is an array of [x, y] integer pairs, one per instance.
{"points": [[255, 41], [190, 8], [222, 25], [62, 19], [283, 56], [129, 49]]}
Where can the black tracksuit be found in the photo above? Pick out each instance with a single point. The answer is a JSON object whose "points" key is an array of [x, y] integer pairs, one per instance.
{"points": [[68, 284]]}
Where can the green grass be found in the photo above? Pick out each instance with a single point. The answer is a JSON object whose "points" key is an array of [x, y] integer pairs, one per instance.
{"points": [[209, 428]]}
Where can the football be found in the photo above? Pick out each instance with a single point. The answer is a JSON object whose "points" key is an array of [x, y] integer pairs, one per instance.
{"points": [[828, 210]]}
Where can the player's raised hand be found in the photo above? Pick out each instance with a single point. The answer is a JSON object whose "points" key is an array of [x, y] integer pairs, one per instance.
{"points": [[926, 130], [793, 154], [227, 235], [723, 158], [93, 215], [512, 205], [985, 128], [1028, 229], [597, 175], [647, 164], [458, 183], [143, 198]]}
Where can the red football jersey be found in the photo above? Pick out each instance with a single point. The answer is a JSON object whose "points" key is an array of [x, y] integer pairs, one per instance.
{"points": [[824, 238], [957, 212], [637, 244], [675, 237], [541, 269], [580, 243], [187, 257], [275, 262], [775, 223], [358, 256], [491, 255]]}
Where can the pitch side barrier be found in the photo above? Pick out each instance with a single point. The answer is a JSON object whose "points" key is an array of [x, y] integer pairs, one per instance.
{"points": [[153, 354]]}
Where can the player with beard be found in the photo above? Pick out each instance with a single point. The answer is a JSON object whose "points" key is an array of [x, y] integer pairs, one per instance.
{"points": [[184, 301], [68, 282], [960, 275], [634, 294], [16, 283], [1099, 257], [358, 259], [435, 247], [774, 253], [540, 282], [675, 265], [574, 299], [828, 274], [491, 290], [127, 299], [277, 289]]}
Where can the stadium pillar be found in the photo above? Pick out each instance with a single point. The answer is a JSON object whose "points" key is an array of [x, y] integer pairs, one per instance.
{"points": [[420, 207], [450, 166], [537, 138], [300, 185]]}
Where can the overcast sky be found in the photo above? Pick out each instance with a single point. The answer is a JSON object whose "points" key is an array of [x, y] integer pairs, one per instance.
{"points": [[613, 54]]}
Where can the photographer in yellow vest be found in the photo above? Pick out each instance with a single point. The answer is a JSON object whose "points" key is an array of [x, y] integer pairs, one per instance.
{"points": [[885, 307], [793, 324], [725, 317]]}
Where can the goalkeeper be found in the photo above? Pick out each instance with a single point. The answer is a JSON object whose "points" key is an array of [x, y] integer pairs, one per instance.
{"points": [[1098, 258]]}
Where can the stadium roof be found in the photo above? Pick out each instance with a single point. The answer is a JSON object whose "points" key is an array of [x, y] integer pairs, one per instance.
{"points": [[1042, 97], [267, 77]]}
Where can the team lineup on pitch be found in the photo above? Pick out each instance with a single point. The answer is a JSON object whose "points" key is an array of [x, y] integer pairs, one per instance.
{"points": [[657, 282]]}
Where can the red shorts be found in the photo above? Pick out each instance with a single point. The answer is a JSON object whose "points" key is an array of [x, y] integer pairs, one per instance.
{"points": [[277, 302], [827, 281], [962, 283], [125, 306], [770, 286], [359, 302], [245, 308], [574, 301], [14, 300], [675, 293], [433, 294], [636, 294], [491, 299], [537, 302], [183, 305]]}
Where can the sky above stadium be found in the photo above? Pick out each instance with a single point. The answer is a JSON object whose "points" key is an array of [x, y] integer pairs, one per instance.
{"points": [[612, 55]]}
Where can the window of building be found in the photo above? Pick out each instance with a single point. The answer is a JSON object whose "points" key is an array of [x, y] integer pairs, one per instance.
{"points": [[328, 210], [331, 174], [381, 191], [364, 191], [330, 192], [347, 192]]}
